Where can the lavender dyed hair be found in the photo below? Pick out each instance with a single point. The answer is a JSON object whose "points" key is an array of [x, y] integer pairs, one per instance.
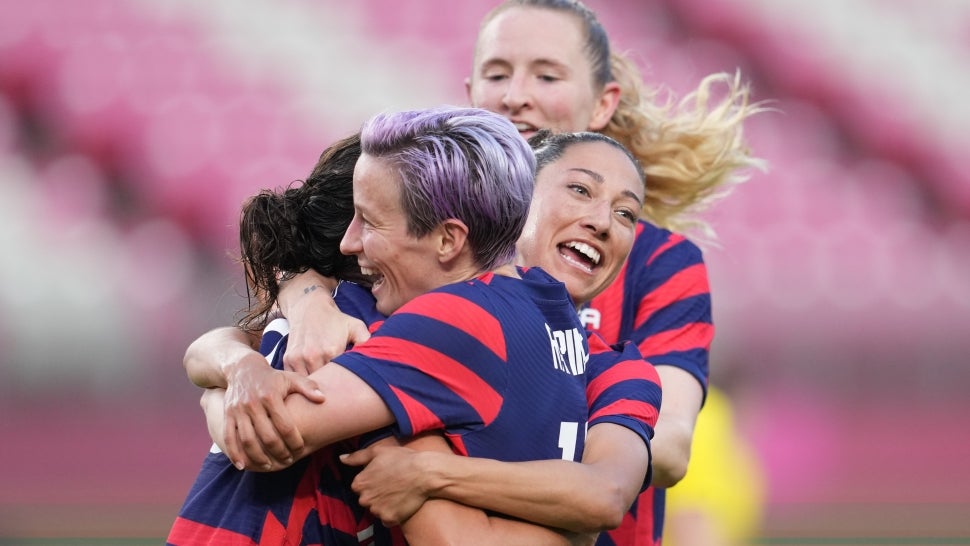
{"points": [[463, 163]]}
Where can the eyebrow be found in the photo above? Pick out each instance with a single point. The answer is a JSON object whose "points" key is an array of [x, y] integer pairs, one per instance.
{"points": [[599, 178], [540, 62]]}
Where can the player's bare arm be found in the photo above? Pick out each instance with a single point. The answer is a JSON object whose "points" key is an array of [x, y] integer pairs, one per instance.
{"points": [[351, 408], [581, 497], [445, 522], [675, 425]]}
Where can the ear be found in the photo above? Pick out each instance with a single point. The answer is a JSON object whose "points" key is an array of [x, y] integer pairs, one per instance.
{"points": [[452, 237], [606, 105], [468, 89]]}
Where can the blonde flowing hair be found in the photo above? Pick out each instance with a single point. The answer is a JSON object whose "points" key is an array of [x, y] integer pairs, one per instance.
{"points": [[692, 151]]}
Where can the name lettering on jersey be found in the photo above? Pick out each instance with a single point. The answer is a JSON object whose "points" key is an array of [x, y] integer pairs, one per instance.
{"points": [[590, 318], [569, 352]]}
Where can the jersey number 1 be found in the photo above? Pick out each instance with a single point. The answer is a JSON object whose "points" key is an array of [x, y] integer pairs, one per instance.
{"points": [[568, 434]]}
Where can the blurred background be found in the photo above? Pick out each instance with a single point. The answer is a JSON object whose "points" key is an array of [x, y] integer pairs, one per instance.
{"points": [[132, 130]]}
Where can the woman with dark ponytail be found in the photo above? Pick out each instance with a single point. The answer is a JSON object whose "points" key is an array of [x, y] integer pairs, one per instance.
{"points": [[284, 233]]}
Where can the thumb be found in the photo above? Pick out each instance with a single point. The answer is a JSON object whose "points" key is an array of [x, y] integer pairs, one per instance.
{"points": [[357, 332], [357, 458], [307, 387]]}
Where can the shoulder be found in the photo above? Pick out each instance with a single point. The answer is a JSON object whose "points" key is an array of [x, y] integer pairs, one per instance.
{"points": [[653, 243], [358, 302]]}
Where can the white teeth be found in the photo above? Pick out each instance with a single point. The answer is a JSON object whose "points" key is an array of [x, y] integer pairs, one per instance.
{"points": [[524, 127], [585, 250], [367, 271]]}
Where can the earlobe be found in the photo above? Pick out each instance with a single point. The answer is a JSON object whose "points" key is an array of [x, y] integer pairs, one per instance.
{"points": [[606, 106], [468, 90]]}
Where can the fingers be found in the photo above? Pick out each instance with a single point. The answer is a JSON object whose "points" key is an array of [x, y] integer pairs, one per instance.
{"points": [[295, 361], [357, 331], [312, 346], [243, 448], [360, 457], [252, 439], [306, 387], [280, 437], [273, 444], [256, 447]]}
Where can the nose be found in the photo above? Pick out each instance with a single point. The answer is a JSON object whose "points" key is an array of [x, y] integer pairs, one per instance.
{"points": [[516, 94], [598, 219], [350, 243]]}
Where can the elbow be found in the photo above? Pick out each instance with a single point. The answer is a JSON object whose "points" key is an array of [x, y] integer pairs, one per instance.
{"points": [[669, 475], [609, 512], [670, 465]]}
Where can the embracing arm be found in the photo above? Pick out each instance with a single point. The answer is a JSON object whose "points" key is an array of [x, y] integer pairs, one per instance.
{"points": [[319, 331], [440, 521], [254, 392], [675, 426], [582, 497], [352, 408], [210, 359]]}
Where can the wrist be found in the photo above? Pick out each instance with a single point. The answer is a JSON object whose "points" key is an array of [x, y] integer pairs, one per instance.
{"points": [[298, 291], [433, 476], [234, 369]]}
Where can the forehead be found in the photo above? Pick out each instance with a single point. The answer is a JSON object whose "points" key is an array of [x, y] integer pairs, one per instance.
{"points": [[377, 184], [600, 161], [529, 32]]}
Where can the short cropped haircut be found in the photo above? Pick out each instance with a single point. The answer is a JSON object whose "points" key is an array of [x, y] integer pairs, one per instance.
{"points": [[463, 163]]}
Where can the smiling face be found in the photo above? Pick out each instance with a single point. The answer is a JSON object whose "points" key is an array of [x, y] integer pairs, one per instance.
{"points": [[403, 266], [531, 67], [583, 218]]}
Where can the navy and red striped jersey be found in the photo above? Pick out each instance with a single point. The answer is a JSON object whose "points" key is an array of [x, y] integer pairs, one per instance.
{"points": [[661, 301], [495, 363], [310, 502]]}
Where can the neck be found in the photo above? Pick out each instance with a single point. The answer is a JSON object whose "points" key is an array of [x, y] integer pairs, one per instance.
{"points": [[507, 270]]}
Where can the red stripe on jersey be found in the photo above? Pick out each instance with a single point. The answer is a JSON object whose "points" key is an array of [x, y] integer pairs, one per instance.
{"points": [[373, 327], [597, 344], [640, 411], [422, 419], [457, 444], [619, 372], [688, 282], [186, 531], [692, 336], [636, 529], [274, 532], [336, 514], [462, 314], [451, 373], [608, 303], [672, 241]]}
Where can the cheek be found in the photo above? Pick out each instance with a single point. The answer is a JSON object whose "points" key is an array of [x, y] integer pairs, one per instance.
{"points": [[483, 96], [624, 244], [561, 113]]}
